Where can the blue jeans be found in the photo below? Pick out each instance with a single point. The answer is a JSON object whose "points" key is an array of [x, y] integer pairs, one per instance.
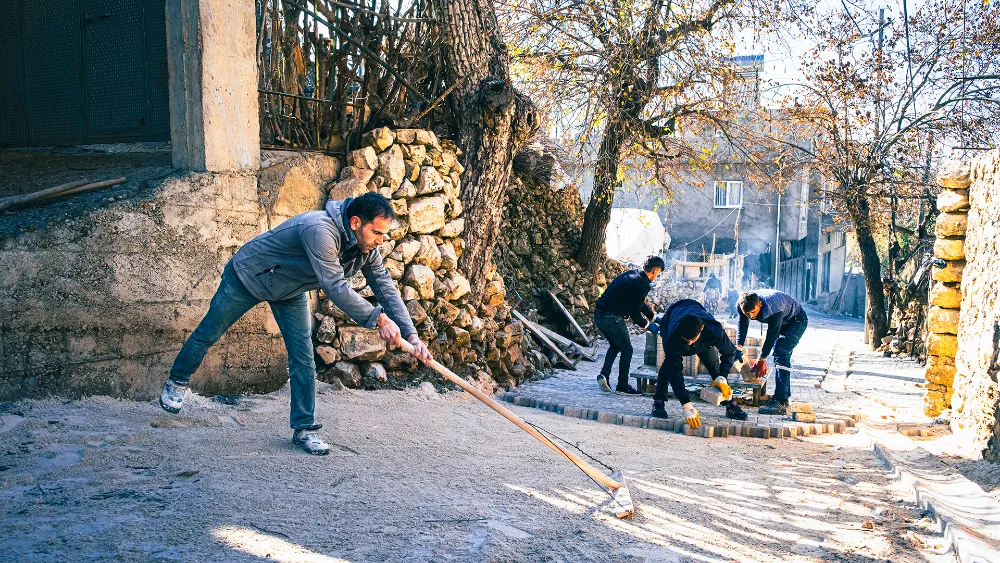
{"points": [[788, 338], [232, 301], [613, 328]]}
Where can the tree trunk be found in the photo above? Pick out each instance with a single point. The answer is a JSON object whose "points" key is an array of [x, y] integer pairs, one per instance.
{"points": [[878, 324], [598, 214], [490, 122]]}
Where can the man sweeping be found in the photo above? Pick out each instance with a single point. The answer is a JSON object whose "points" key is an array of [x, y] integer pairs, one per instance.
{"points": [[316, 249], [786, 322], [624, 297], [688, 329]]}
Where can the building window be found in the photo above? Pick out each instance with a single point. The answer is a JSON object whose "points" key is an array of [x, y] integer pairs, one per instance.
{"points": [[729, 194]]}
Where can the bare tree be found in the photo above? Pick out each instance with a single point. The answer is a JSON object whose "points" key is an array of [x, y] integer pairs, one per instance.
{"points": [[877, 92], [489, 118], [626, 73]]}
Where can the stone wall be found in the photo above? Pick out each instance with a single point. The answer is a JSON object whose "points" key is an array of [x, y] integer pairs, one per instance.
{"points": [[422, 177], [974, 404], [99, 291]]}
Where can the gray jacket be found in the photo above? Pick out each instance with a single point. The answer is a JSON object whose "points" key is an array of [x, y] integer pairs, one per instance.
{"points": [[317, 249]]}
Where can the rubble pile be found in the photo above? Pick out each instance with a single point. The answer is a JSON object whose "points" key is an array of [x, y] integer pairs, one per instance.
{"points": [[536, 249], [667, 290], [907, 336], [421, 176]]}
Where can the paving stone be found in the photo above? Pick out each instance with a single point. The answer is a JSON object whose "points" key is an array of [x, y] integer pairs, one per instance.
{"points": [[609, 417], [710, 395], [660, 423], [804, 417], [800, 407], [636, 421], [574, 412]]}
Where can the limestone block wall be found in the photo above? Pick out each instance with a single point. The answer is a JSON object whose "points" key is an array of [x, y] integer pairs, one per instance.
{"points": [[421, 175], [946, 292], [100, 299], [974, 404]]}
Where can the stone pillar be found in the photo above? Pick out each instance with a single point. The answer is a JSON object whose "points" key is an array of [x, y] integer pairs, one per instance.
{"points": [[946, 293], [974, 418], [214, 123]]}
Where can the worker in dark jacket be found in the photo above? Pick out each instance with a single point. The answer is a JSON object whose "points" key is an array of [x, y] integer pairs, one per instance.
{"points": [[786, 323], [624, 297], [687, 329], [316, 249]]}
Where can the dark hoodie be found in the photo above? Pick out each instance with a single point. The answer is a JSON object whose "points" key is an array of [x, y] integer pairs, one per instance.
{"points": [[713, 335], [317, 249]]}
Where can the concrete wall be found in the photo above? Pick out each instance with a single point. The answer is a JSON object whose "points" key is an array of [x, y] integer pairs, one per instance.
{"points": [[99, 301], [977, 361], [214, 123]]}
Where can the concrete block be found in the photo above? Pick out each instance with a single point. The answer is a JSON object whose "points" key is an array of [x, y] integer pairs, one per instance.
{"points": [[803, 417], [573, 412], [660, 423], [524, 402], [635, 421], [800, 407], [706, 431], [838, 427], [609, 417], [688, 431], [711, 395]]}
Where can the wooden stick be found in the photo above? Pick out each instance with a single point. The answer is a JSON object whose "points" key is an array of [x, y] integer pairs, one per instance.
{"points": [[543, 339], [64, 189], [10, 201], [572, 321], [569, 456]]}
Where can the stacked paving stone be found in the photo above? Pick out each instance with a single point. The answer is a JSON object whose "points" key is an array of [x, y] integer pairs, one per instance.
{"points": [[946, 293], [421, 176], [537, 247]]}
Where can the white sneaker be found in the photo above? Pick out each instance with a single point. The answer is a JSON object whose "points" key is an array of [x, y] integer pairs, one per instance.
{"points": [[172, 396], [310, 441]]}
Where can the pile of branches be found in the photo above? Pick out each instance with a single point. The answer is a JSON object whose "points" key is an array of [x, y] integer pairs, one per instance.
{"points": [[328, 70]]}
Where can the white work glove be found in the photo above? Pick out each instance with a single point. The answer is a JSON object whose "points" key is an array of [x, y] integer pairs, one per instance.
{"points": [[691, 415], [723, 385]]}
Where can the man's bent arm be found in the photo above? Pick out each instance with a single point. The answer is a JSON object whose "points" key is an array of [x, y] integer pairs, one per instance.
{"points": [[323, 250]]}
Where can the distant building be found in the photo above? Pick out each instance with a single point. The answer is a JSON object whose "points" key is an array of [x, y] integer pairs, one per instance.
{"points": [[727, 211]]}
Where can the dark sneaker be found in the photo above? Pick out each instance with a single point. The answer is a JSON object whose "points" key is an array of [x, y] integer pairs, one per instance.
{"points": [[602, 382], [734, 411], [310, 441], [627, 390], [658, 411], [774, 406]]}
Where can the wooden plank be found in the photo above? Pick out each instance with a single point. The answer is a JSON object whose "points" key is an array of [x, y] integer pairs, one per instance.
{"points": [[533, 328], [566, 345], [572, 321]]}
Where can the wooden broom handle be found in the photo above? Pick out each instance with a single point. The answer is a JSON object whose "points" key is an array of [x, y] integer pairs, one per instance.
{"points": [[572, 458]]}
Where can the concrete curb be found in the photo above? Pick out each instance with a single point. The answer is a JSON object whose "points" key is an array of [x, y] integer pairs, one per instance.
{"points": [[968, 518], [707, 430]]}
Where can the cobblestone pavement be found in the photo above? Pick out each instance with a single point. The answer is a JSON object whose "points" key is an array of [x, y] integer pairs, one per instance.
{"points": [[822, 374]]}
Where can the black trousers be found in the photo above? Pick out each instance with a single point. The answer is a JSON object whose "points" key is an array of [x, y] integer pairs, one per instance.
{"points": [[665, 375]]}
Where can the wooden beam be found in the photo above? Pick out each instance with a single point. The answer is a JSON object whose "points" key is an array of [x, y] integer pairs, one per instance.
{"points": [[540, 336], [567, 343], [572, 321]]}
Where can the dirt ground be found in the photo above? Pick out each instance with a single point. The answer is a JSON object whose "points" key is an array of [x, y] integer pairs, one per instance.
{"points": [[24, 171], [418, 476]]}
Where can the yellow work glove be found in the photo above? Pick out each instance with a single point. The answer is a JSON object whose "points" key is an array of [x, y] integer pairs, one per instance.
{"points": [[691, 415], [723, 385]]}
